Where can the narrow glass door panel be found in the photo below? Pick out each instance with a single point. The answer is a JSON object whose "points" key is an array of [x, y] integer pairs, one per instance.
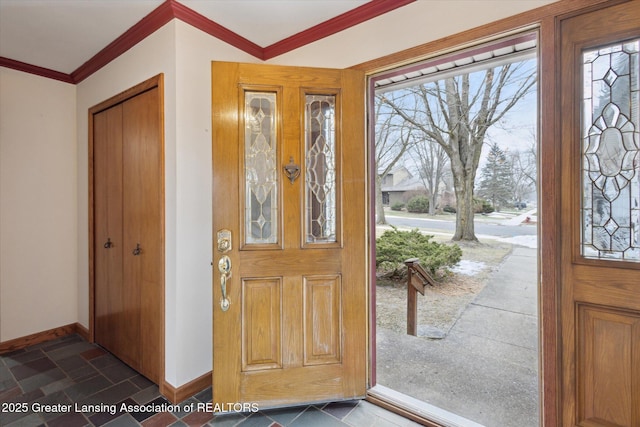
{"points": [[260, 168], [611, 155], [321, 170]]}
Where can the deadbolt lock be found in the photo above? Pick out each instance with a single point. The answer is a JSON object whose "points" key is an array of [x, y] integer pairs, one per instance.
{"points": [[224, 241]]}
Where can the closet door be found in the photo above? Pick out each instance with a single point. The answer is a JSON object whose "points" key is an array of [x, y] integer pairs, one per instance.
{"points": [[128, 224], [143, 203], [108, 239]]}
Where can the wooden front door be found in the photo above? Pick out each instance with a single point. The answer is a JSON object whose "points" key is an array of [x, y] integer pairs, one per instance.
{"points": [[290, 325], [600, 217]]}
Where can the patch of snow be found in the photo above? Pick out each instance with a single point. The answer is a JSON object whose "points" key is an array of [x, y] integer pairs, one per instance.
{"points": [[527, 241], [468, 268]]}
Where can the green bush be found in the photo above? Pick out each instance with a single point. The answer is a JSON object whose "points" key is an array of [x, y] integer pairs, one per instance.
{"points": [[482, 206], [449, 209], [397, 206], [394, 247], [418, 204]]}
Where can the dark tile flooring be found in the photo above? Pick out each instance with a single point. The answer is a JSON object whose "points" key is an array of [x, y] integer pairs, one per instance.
{"points": [[69, 382]]}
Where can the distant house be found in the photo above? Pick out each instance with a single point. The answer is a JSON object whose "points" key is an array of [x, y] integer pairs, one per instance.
{"points": [[400, 185]]}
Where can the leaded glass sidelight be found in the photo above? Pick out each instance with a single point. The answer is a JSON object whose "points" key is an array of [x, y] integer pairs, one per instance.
{"points": [[320, 172], [611, 153], [260, 168]]}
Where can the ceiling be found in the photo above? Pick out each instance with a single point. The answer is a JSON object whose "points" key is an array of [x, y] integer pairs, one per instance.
{"points": [[63, 36]]}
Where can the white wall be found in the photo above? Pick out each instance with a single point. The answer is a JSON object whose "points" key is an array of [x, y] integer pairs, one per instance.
{"points": [[191, 334], [38, 200]]}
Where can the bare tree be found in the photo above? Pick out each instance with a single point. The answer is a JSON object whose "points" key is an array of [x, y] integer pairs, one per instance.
{"points": [[392, 140], [431, 161], [523, 165], [456, 113]]}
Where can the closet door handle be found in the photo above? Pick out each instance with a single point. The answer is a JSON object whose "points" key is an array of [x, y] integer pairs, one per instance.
{"points": [[108, 244], [137, 251]]}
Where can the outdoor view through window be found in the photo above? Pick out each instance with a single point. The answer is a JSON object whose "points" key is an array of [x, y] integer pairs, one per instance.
{"points": [[456, 161]]}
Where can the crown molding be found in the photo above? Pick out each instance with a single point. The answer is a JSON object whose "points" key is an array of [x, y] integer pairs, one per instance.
{"points": [[173, 9], [193, 18], [332, 26], [34, 69]]}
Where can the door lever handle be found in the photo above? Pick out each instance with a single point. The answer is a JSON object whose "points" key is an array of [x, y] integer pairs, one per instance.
{"points": [[224, 266], [137, 251], [108, 244]]}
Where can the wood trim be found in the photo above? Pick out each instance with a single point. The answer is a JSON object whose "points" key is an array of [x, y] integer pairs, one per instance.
{"points": [[179, 394], [144, 28], [34, 69], [474, 36], [332, 26], [216, 30], [415, 409], [82, 331], [40, 337], [548, 229], [400, 411]]}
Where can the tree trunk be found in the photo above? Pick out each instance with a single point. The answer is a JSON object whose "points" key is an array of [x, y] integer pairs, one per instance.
{"points": [[380, 218], [433, 199], [463, 185]]}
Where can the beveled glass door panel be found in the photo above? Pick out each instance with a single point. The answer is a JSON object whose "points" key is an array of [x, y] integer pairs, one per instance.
{"points": [[611, 155], [321, 196], [261, 178]]}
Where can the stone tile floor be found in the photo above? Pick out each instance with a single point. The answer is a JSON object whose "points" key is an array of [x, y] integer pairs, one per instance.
{"points": [[69, 382]]}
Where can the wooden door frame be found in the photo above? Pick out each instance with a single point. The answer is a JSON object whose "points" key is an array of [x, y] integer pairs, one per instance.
{"points": [[546, 20], [151, 83]]}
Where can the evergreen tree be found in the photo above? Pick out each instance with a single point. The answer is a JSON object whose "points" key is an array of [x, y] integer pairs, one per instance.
{"points": [[496, 178]]}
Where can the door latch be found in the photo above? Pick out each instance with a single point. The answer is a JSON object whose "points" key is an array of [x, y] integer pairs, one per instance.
{"points": [[224, 241]]}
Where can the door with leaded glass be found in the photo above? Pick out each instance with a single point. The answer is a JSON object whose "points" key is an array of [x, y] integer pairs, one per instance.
{"points": [[600, 217], [289, 216]]}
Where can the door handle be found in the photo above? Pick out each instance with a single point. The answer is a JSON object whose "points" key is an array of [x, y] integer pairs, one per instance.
{"points": [[224, 266], [138, 250], [108, 244]]}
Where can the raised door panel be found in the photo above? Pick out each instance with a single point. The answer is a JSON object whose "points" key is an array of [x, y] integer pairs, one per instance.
{"points": [[322, 319], [261, 324], [608, 366]]}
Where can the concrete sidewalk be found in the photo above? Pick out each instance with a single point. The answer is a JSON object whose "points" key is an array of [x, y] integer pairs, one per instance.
{"points": [[486, 369]]}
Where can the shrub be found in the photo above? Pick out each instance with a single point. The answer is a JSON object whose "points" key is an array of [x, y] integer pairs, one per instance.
{"points": [[397, 206], [482, 206], [418, 204], [394, 247], [449, 209]]}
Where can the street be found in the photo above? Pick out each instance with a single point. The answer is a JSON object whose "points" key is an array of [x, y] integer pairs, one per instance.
{"points": [[489, 229]]}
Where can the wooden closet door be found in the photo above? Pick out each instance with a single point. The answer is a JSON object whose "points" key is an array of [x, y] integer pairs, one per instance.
{"points": [[143, 204], [128, 221], [108, 243]]}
